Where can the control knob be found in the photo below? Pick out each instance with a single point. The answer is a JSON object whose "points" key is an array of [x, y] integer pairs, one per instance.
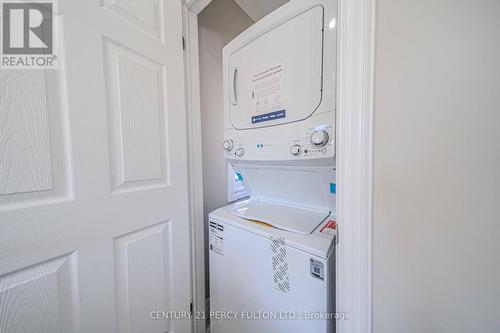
{"points": [[296, 150], [228, 145], [319, 138], [239, 152]]}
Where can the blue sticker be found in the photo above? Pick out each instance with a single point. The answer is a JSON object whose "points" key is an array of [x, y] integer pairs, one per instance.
{"points": [[240, 177], [333, 188], [269, 116]]}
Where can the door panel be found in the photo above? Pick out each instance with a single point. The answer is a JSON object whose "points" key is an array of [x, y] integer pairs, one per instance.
{"points": [[93, 181], [136, 107], [143, 251], [145, 14], [33, 138], [41, 298]]}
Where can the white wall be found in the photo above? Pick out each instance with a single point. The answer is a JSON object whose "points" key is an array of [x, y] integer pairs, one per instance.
{"points": [[257, 9], [218, 24], [436, 241]]}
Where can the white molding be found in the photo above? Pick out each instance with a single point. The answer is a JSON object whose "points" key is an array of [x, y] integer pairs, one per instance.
{"points": [[196, 6], [195, 165], [354, 167]]}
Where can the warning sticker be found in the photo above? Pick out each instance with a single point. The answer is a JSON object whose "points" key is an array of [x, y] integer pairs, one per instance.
{"points": [[216, 238], [267, 94], [330, 228]]}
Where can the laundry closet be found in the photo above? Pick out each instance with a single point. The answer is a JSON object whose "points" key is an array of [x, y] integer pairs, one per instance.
{"points": [[268, 114]]}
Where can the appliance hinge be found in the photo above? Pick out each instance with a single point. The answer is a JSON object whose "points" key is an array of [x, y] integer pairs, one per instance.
{"points": [[183, 43]]}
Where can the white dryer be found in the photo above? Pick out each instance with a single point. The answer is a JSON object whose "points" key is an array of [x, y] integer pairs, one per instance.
{"points": [[279, 85]]}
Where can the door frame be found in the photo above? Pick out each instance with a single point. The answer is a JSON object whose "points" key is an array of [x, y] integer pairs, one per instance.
{"points": [[190, 12], [356, 45]]}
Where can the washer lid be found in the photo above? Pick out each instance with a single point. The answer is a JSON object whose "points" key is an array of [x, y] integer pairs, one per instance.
{"points": [[292, 198], [302, 221], [317, 243]]}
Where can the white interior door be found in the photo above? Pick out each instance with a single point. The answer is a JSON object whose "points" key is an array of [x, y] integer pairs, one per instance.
{"points": [[93, 181]]}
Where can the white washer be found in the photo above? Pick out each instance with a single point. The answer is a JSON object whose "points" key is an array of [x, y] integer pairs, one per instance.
{"points": [[268, 280], [273, 254], [279, 85]]}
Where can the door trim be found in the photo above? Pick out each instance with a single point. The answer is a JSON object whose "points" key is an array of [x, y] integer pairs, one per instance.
{"points": [[356, 45], [354, 163], [191, 9]]}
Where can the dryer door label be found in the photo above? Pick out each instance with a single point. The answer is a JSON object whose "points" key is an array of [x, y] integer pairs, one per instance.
{"points": [[216, 238], [268, 94]]}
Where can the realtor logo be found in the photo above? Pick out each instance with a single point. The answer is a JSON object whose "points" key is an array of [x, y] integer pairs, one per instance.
{"points": [[28, 34]]}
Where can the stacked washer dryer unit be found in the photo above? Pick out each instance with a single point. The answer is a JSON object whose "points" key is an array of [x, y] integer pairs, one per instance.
{"points": [[272, 256]]}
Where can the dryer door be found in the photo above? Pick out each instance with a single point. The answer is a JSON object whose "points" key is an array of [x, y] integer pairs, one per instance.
{"points": [[277, 78]]}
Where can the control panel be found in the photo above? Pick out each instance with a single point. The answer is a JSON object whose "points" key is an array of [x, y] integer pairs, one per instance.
{"points": [[315, 142]]}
